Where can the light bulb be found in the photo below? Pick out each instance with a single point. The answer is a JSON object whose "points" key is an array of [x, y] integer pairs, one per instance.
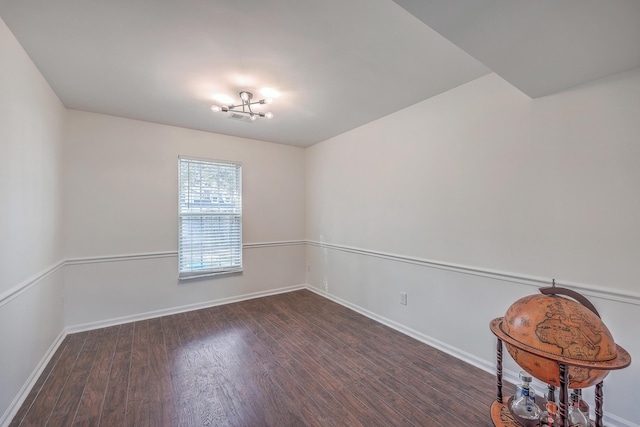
{"points": [[215, 108], [269, 115], [253, 117], [268, 101]]}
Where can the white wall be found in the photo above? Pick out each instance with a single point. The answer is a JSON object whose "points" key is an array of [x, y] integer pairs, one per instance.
{"points": [[31, 279], [472, 199], [111, 255], [121, 199], [466, 201]]}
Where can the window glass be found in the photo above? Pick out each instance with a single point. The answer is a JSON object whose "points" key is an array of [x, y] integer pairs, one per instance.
{"points": [[210, 212]]}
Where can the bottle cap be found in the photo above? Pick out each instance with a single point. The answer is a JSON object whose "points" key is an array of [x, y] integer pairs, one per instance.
{"points": [[525, 377]]}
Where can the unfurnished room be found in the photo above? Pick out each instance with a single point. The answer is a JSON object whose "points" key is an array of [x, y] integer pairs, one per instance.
{"points": [[319, 213]]}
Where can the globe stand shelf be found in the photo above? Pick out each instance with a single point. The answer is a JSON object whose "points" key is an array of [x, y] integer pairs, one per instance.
{"points": [[559, 341]]}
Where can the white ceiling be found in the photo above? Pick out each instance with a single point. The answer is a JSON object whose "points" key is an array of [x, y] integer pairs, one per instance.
{"points": [[540, 46], [338, 63]]}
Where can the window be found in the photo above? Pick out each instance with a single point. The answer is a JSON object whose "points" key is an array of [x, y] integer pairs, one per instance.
{"points": [[210, 211]]}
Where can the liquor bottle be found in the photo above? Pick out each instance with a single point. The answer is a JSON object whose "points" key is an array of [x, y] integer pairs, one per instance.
{"points": [[525, 406], [576, 417], [551, 393], [549, 417], [584, 406], [524, 378]]}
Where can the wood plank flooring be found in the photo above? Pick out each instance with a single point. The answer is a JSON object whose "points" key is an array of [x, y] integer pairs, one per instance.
{"points": [[294, 359]]}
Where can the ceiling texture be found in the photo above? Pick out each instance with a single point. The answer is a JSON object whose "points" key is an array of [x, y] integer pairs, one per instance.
{"points": [[338, 64]]}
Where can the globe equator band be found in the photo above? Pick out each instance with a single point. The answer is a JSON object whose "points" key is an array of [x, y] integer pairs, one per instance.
{"points": [[524, 346], [623, 358]]}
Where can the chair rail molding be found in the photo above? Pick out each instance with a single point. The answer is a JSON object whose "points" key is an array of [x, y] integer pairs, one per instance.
{"points": [[19, 289], [534, 281]]}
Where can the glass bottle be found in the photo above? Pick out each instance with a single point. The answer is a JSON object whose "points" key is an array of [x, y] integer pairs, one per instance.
{"points": [[525, 406], [549, 417], [524, 378], [584, 406], [576, 417], [551, 393]]}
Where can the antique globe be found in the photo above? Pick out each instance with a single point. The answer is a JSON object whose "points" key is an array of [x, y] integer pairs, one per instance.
{"points": [[542, 330]]}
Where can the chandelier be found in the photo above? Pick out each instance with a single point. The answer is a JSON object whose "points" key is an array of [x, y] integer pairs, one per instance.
{"points": [[245, 107]]}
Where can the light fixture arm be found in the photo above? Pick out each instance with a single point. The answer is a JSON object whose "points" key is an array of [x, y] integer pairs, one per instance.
{"points": [[246, 104]]}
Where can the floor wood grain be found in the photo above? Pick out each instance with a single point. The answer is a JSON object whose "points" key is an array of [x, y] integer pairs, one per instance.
{"points": [[294, 359]]}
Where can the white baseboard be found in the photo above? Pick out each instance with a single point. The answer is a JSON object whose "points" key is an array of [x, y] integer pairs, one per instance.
{"points": [[13, 408], [453, 351], [510, 376], [610, 420], [174, 310]]}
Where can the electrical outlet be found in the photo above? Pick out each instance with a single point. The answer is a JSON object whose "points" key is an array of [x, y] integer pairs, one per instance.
{"points": [[403, 298], [308, 267]]}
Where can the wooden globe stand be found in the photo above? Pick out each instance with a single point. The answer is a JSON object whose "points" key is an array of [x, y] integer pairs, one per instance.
{"points": [[500, 413]]}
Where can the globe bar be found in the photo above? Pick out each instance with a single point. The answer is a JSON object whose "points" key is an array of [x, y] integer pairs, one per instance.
{"points": [[559, 341]]}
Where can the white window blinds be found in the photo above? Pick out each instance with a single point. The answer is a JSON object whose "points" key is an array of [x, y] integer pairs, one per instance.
{"points": [[210, 211]]}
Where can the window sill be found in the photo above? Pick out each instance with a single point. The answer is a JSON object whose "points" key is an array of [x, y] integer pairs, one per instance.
{"points": [[209, 275]]}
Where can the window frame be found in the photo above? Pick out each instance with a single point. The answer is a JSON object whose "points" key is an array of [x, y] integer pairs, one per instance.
{"points": [[190, 274]]}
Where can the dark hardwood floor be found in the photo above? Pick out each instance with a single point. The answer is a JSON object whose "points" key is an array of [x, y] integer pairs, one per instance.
{"points": [[295, 359]]}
